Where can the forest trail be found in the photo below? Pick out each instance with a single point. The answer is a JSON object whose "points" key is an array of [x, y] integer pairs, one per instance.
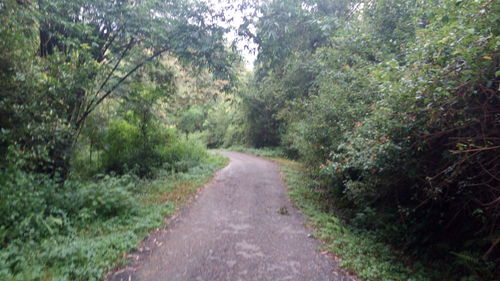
{"points": [[241, 227]]}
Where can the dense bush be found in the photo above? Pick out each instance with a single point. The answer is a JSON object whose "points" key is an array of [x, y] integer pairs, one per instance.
{"points": [[191, 120], [216, 125], [84, 127], [180, 156], [80, 230], [424, 152], [128, 150], [34, 206], [397, 121]]}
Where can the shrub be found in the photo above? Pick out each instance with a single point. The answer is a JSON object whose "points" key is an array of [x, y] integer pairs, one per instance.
{"points": [[181, 155], [127, 149], [33, 206], [400, 125], [423, 152]]}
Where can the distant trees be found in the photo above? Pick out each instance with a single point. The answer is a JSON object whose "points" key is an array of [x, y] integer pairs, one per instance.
{"points": [[191, 120]]}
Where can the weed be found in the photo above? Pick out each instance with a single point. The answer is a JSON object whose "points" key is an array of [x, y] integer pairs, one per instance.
{"points": [[105, 221], [360, 252], [264, 152]]}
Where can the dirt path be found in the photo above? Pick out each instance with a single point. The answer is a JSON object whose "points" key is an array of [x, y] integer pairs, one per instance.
{"points": [[242, 227]]}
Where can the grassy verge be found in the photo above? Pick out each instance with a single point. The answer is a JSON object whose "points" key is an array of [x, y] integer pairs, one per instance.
{"points": [[90, 249], [361, 252], [264, 152]]}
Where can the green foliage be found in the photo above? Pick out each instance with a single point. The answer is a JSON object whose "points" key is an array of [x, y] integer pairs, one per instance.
{"points": [[224, 125], [34, 207], [402, 155], [180, 156], [360, 251], [80, 230], [395, 112], [288, 26], [62, 59], [262, 122], [216, 124], [123, 147], [191, 120], [271, 152], [127, 150]]}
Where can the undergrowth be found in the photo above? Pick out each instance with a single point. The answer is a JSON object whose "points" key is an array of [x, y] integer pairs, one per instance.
{"points": [[361, 252], [264, 152], [81, 231]]}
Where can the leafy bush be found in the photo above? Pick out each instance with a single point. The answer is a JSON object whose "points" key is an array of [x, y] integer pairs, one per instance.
{"points": [[80, 230], [422, 154], [33, 206], [123, 148], [24, 207], [216, 125], [360, 251], [126, 149], [191, 120], [181, 155], [398, 123]]}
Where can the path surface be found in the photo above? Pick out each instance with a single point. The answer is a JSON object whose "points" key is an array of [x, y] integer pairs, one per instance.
{"points": [[234, 231]]}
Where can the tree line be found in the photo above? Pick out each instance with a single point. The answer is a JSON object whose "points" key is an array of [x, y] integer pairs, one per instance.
{"points": [[392, 105], [394, 108], [92, 95]]}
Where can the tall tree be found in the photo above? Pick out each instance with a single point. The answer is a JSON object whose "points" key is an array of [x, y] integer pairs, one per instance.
{"points": [[88, 49]]}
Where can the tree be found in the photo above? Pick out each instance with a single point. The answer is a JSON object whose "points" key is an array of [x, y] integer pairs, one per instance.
{"points": [[89, 49], [191, 120]]}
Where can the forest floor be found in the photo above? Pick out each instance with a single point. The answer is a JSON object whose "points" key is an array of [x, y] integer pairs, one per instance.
{"points": [[242, 226]]}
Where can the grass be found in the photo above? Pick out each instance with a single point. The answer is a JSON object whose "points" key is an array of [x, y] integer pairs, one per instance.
{"points": [[99, 246], [360, 252], [270, 152]]}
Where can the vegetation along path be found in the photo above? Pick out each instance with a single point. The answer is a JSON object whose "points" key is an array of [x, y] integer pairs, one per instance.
{"points": [[242, 227]]}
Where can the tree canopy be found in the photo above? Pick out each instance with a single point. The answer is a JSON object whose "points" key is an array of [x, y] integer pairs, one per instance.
{"points": [[68, 57], [392, 106]]}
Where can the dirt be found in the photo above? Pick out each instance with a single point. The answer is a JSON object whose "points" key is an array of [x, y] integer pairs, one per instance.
{"points": [[241, 227]]}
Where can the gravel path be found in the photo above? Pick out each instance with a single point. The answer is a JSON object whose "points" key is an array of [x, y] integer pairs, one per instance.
{"points": [[241, 227]]}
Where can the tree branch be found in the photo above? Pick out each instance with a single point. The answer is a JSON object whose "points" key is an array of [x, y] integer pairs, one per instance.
{"points": [[116, 85], [124, 53]]}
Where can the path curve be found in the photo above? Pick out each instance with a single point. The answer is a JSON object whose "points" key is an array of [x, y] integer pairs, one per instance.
{"points": [[235, 231]]}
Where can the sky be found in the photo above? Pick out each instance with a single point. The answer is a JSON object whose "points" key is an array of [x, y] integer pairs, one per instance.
{"points": [[249, 56]]}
